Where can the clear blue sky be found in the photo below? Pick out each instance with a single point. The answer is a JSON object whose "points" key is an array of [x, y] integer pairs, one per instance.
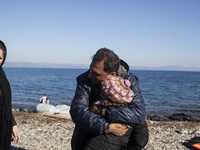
{"points": [[142, 32]]}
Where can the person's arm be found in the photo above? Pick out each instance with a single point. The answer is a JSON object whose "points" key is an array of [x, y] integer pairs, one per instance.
{"points": [[80, 112], [134, 113]]}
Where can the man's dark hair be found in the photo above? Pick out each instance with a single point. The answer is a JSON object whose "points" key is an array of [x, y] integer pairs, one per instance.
{"points": [[111, 60]]}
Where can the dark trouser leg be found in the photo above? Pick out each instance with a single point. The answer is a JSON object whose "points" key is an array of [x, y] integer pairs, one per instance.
{"points": [[79, 138], [108, 141], [139, 137]]}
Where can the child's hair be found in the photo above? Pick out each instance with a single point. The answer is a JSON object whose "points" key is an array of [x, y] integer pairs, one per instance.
{"points": [[107, 103], [116, 92]]}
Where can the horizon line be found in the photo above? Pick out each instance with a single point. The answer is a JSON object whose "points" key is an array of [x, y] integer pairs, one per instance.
{"points": [[85, 66]]}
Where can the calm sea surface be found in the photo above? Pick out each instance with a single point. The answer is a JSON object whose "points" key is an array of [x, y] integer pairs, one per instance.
{"points": [[164, 92]]}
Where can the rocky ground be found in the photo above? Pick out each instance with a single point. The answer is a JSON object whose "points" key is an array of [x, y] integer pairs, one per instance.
{"points": [[40, 132]]}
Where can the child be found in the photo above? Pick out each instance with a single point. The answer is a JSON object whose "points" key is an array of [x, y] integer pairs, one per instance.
{"points": [[116, 92]]}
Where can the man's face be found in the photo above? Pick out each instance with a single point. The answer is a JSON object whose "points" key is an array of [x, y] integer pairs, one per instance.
{"points": [[1, 57], [97, 74]]}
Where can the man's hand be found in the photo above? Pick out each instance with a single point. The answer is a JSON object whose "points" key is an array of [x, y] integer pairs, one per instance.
{"points": [[118, 129]]}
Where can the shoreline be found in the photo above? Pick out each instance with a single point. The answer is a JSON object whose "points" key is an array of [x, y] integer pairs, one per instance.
{"points": [[52, 133], [150, 116]]}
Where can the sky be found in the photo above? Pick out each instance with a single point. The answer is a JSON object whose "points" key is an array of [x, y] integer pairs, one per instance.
{"points": [[142, 32]]}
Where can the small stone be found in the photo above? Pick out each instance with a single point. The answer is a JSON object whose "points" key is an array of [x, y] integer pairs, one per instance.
{"points": [[184, 131], [198, 131]]}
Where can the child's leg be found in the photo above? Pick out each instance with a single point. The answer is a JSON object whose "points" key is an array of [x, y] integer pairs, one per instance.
{"points": [[108, 141], [79, 138], [139, 137]]}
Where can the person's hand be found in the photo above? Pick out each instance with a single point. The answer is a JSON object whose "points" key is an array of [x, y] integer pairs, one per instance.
{"points": [[118, 129], [16, 135]]}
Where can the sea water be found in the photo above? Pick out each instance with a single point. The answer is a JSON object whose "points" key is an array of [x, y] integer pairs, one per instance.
{"points": [[164, 92]]}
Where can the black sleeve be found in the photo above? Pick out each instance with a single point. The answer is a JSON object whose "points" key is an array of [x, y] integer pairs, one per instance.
{"points": [[13, 121]]}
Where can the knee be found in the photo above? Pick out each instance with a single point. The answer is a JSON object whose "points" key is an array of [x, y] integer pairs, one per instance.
{"points": [[141, 143], [138, 144]]}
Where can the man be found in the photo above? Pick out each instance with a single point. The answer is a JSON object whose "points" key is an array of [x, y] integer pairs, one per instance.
{"points": [[110, 131]]}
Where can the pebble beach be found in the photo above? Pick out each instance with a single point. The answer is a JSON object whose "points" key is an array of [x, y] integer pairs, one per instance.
{"points": [[39, 132]]}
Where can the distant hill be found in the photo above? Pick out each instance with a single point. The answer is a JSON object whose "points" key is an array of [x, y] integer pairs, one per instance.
{"points": [[85, 66], [166, 68]]}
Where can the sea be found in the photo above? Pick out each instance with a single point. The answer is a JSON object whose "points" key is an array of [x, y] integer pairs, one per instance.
{"points": [[164, 92]]}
